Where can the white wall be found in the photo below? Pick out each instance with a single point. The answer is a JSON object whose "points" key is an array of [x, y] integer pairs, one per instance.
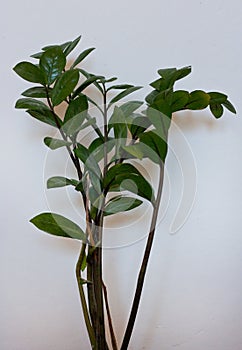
{"points": [[193, 294]]}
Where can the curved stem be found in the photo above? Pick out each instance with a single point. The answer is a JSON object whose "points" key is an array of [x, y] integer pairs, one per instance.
{"points": [[143, 268]]}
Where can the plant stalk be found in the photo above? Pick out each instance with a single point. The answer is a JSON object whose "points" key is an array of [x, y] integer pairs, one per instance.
{"points": [[143, 268]]}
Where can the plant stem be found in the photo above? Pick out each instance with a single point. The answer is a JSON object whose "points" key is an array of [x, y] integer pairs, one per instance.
{"points": [[83, 299], [143, 268], [112, 335]]}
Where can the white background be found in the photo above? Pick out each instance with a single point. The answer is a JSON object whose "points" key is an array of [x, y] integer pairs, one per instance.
{"points": [[193, 294]]}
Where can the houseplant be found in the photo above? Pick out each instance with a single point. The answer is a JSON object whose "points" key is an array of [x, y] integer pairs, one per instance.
{"points": [[108, 178]]}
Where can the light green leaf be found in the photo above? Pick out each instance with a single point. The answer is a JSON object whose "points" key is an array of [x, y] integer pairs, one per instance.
{"points": [[119, 204], [64, 86], [52, 63], [60, 181], [55, 143], [58, 225], [135, 150], [28, 71]]}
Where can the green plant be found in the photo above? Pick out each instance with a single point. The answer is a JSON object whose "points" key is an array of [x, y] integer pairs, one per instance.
{"points": [[106, 166]]}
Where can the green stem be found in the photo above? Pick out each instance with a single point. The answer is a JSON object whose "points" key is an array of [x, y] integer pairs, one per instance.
{"points": [[143, 268], [83, 299]]}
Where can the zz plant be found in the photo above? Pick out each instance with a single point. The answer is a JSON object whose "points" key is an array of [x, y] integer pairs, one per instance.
{"points": [[105, 169]]}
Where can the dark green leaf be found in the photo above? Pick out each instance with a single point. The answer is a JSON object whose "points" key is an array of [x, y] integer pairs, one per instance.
{"points": [[139, 125], [55, 143], [30, 103], [119, 204], [124, 93], [96, 148], [72, 46], [29, 72], [120, 87], [127, 177], [129, 107], [60, 181], [64, 86], [81, 57], [216, 109], [217, 97], [227, 104], [75, 107], [156, 146], [85, 84], [198, 100], [58, 225], [179, 99], [45, 116], [37, 92], [52, 63]]}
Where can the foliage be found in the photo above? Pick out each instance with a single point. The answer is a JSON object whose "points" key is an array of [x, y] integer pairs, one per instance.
{"points": [[106, 168]]}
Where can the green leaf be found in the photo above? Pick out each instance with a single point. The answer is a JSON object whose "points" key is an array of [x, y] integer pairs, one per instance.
{"points": [[156, 146], [58, 225], [29, 72], [120, 87], [129, 107], [96, 148], [119, 204], [139, 125], [64, 86], [179, 99], [30, 103], [36, 92], [124, 93], [128, 178], [52, 63], [134, 150], [60, 181], [72, 46], [75, 107], [216, 109], [81, 57], [85, 84], [45, 116], [198, 100], [227, 104], [55, 143], [160, 121], [217, 97]]}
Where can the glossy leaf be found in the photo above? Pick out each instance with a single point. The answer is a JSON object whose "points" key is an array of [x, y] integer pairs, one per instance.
{"points": [[120, 204], [52, 63], [55, 143], [217, 97], [64, 86], [69, 48], [28, 71], [198, 100], [127, 177], [75, 107], [227, 104], [179, 100], [85, 84], [60, 181], [45, 116], [216, 109], [120, 87], [156, 145], [124, 93], [58, 225], [82, 56], [30, 103], [36, 92]]}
